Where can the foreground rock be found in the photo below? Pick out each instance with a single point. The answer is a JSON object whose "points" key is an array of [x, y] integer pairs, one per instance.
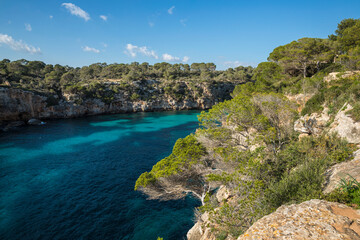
{"points": [[314, 219]]}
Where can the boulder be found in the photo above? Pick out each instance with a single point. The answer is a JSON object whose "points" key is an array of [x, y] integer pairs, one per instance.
{"points": [[345, 126], [222, 194], [314, 219], [313, 124], [34, 121], [342, 171]]}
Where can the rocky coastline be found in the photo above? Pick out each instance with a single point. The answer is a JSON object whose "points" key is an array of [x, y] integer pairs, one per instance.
{"points": [[18, 106]]}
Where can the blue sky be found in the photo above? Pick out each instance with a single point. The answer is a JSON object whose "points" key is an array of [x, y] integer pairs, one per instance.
{"points": [[228, 33]]}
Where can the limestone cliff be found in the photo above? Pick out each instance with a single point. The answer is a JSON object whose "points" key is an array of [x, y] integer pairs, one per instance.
{"points": [[21, 105]]}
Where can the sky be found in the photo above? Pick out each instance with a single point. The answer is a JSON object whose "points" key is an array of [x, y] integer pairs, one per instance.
{"points": [[228, 33]]}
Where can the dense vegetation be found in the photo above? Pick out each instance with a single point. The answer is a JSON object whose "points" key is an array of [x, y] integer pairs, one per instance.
{"points": [[262, 160], [101, 80], [186, 152]]}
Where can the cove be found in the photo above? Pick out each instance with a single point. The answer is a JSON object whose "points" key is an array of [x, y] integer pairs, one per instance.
{"points": [[74, 178]]}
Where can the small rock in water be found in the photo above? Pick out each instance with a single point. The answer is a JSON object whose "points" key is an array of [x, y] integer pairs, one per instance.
{"points": [[34, 121]]}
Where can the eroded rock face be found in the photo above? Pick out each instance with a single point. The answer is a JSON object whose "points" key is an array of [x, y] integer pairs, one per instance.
{"points": [[313, 124], [314, 219], [342, 171], [202, 230], [222, 194], [345, 126], [20, 105], [336, 75]]}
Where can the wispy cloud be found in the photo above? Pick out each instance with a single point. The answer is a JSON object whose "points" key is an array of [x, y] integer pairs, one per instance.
{"points": [[28, 27], [171, 10], [18, 45], [76, 11], [103, 17], [186, 59], [183, 22], [90, 49], [234, 64], [151, 24], [133, 50], [169, 58], [51, 16]]}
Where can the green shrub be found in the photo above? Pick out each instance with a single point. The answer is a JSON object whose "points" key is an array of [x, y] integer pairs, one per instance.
{"points": [[135, 97], [186, 152], [314, 104]]}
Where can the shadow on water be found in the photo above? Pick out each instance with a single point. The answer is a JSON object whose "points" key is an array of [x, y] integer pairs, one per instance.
{"points": [[66, 188]]}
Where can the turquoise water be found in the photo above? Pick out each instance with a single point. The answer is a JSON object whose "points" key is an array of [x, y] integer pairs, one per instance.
{"points": [[74, 178]]}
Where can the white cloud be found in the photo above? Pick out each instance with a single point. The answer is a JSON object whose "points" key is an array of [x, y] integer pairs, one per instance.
{"points": [[104, 45], [186, 59], [133, 50], [171, 10], [151, 24], [28, 27], [18, 45], [103, 17], [183, 22], [90, 49], [51, 16], [169, 58], [76, 11], [232, 64]]}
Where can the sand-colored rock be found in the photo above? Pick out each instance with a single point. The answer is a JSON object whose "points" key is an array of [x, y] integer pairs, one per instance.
{"points": [[222, 194], [342, 171], [314, 219], [319, 122], [336, 75], [21, 105], [345, 126]]}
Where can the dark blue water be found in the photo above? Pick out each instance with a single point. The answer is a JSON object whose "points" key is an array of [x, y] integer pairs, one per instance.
{"points": [[74, 179]]}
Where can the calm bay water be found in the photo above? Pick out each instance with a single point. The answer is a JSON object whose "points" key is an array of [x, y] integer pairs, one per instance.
{"points": [[74, 178]]}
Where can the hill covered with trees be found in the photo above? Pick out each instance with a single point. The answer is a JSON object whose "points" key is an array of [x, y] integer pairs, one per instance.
{"points": [[33, 89], [274, 143]]}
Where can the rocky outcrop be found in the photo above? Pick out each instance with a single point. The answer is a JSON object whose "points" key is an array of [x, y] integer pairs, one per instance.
{"points": [[342, 124], [202, 230], [314, 219], [336, 75], [342, 171], [313, 124], [21, 105], [345, 126]]}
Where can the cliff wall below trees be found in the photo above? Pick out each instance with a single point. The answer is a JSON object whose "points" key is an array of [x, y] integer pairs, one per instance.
{"points": [[146, 95]]}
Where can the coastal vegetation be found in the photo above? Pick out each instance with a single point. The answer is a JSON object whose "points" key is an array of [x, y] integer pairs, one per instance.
{"points": [[248, 144], [103, 81]]}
